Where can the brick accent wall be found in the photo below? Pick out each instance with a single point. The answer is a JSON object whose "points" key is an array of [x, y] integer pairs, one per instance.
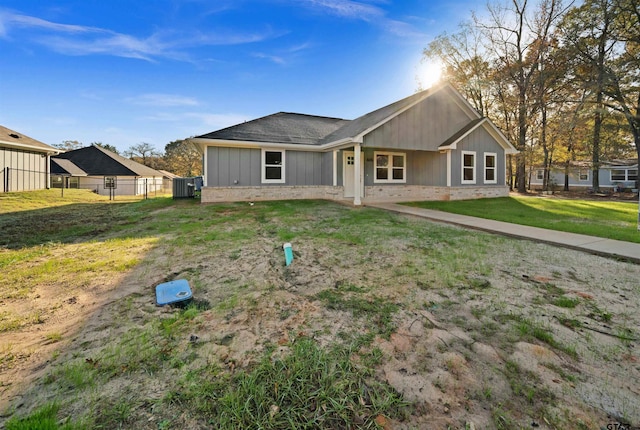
{"points": [[418, 192], [372, 194], [249, 194]]}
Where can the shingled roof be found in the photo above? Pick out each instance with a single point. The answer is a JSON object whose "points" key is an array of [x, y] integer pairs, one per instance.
{"points": [[12, 139], [365, 122], [281, 127], [294, 128], [285, 127], [60, 166], [95, 160]]}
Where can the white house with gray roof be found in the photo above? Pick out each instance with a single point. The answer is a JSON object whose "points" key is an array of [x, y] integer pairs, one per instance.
{"points": [[432, 145]]}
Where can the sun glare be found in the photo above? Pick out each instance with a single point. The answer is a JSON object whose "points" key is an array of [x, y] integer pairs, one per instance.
{"points": [[429, 74]]}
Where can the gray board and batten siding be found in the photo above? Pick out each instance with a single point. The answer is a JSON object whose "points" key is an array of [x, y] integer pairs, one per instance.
{"points": [[228, 167], [23, 170], [480, 142], [423, 127], [423, 168]]}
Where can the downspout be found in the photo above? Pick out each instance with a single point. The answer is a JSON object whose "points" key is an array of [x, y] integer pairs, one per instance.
{"points": [[356, 173], [449, 168], [335, 167], [205, 182], [47, 176]]}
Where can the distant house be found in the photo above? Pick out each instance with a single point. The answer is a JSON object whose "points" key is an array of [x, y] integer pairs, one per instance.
{"points": [[613, 175], [104, 172], [432, 145], [167, 180], [24, 162]]}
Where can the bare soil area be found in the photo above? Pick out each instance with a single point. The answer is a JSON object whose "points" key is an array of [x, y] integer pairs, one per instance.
{"points": [[489, 332]]}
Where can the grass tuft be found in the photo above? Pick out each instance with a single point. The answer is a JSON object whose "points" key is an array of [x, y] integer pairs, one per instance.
{"points": [[308, 387]]}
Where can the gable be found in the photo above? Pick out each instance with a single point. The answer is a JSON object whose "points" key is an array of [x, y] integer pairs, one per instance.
{"points": [[424, 126], [423, 121]]}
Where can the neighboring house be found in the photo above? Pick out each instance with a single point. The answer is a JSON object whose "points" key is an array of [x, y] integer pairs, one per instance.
{"points": [[167, 180], [24, 162], [430, 146], [613, 175], [104, 172]]}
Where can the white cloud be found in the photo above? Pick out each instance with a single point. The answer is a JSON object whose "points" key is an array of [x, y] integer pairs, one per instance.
{"points": [[366, 12], [162, 100], [72, 39], [215, 121], [284, 56], [348, 8], [273, 58]]}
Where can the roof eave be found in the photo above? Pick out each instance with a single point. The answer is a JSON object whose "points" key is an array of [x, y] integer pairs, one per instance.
{"points": [[201, 143], [47, 151]]}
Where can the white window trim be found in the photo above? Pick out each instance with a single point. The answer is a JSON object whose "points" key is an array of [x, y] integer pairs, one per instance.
{"points": [[494, 168], [462, 167], [264, 167], [581, 172], [390, 168], [626, 175], [540, 174]]}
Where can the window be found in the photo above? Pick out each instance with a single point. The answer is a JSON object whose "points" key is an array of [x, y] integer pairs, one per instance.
{"points": [[273, 166], [583, 175], [540, 174], [390, 167], [624, 175], [618, 175], [468, 167], [490, 168]]}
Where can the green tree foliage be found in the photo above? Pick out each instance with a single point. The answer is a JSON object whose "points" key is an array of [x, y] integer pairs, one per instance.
{"points": [[560, 82], [182, 158], [107, 146]]}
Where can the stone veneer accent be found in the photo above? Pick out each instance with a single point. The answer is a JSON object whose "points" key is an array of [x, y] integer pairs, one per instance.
{"points": [[403, 193], [284, 192], [395, 193]]}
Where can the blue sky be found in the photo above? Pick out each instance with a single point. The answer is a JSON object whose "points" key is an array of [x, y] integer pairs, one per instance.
{"points": [[124, 72]]}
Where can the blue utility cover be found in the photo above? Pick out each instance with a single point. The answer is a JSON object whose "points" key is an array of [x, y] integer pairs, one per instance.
{"points": [[173, 292]]}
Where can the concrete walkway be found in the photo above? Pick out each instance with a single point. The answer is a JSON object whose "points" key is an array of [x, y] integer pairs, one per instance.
{"points": [[594, 245]]}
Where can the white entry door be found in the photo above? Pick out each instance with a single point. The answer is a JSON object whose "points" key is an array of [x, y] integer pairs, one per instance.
{"points": [[348, 173]]}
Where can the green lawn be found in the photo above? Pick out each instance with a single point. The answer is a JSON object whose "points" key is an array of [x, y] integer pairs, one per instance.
{"points": [[608, 219], [373, 302]]}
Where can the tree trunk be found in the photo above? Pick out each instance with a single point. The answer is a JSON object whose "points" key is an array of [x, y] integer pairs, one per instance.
{"points": [[521, 170], [595, 151]]}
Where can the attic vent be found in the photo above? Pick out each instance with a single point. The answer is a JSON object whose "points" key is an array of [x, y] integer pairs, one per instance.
{"points": [[15, 136]]}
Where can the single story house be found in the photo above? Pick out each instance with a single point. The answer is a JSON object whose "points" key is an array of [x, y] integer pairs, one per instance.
{"points": [[104, 172], [432, 145], [613, 175], [24, 162], [167, 180]]}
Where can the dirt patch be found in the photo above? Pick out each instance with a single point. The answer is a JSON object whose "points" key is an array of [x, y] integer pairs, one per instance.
{"points": [[487, 336]]}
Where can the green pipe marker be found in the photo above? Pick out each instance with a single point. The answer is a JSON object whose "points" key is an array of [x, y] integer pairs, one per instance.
{"points": [[288, 253]]}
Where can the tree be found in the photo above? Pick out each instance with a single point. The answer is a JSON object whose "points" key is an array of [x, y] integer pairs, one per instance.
{"points": [[69, 145], [107, 146], [624, 79], [464, 65], [517, 33], [143, 153], [182, 158]]}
